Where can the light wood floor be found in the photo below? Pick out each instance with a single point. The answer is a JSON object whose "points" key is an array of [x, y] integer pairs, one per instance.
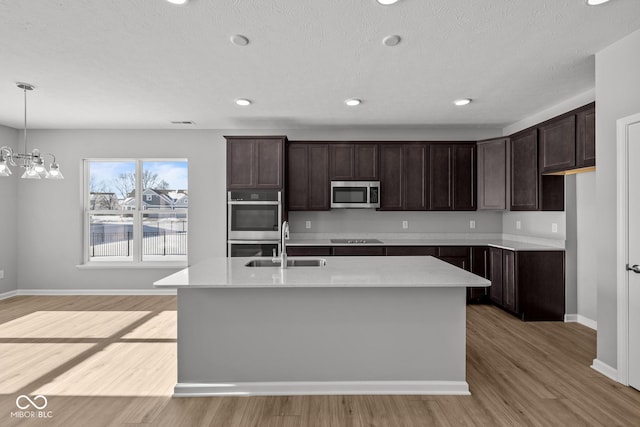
{"points": [[104, 361]]}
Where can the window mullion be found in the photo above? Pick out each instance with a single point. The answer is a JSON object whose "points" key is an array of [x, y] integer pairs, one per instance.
{"points": [[137, 222]]}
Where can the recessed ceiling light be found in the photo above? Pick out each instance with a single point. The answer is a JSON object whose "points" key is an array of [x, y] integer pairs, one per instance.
{"points": [[596, 2], [391, 40], [239, 40], [178, 1], [243, 102], [462, 101], [387, 2], [352, 102]]}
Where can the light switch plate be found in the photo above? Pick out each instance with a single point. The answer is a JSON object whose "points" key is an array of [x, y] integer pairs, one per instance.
{"points": [[554, 227], [405, 224], [518, 225], [307, 224], [472, 224]]}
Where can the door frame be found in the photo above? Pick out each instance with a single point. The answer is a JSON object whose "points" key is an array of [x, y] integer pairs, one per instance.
{"points": [[622, 276]]}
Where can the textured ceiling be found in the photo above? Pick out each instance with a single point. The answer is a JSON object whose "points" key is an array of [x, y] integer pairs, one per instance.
{"points": [[144, 63]]}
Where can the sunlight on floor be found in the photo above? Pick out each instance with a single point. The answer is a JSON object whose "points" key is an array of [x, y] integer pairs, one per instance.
{"points": [[23, 363], [162, 326], [121, 369], [69, 324]]}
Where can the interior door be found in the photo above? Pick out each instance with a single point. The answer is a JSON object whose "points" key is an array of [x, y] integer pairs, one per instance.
{"points": [[634, 254]]}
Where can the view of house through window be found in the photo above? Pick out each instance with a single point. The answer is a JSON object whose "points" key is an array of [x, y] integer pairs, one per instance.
{"points": [[136, 210]]}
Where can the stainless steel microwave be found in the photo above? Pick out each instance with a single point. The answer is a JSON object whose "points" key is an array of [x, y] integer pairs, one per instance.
{"points": [[355, 194]]}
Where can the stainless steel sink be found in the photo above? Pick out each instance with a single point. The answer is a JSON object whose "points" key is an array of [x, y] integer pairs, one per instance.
{"points": [[290, 263]]}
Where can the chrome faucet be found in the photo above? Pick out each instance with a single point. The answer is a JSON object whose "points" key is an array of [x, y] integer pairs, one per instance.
{"points": [[283, 244]]}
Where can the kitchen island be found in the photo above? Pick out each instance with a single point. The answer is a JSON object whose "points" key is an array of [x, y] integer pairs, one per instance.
{"points": [[357, 325]]}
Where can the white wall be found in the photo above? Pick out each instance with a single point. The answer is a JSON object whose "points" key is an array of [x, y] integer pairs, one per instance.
{"points": [[50, 212], [617, 96], [9, 218], [587, 227]]}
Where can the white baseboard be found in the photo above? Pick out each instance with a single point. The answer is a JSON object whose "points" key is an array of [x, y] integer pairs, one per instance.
{"points": [[605, 369], [578, 318], [9, 294], [296, 388], [63, 292]]}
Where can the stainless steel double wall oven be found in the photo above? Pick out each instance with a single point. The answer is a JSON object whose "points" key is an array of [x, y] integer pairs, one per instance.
{"points": [[253, 222]]}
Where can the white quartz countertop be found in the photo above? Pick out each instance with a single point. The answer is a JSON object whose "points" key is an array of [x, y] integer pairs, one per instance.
{"points": [[361, 271], [503, 244]]}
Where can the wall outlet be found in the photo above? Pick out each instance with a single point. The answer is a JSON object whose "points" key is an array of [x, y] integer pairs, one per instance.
{"points": [[307, 224], [1, 274], [554, 227], [472, 224], [405, 224], [518, 225]]}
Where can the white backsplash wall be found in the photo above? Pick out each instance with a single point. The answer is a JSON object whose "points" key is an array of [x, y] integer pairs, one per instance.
{"points": [[534, 224], [369, 221]]}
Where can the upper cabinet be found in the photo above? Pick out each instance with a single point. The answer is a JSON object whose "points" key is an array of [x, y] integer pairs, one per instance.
{"points": [[403, 176], [493, 174], [255, 162], [307, 177], [353, 162], [568, 142], [586, 137], [558, 144], [452, 174], [524, 171]]}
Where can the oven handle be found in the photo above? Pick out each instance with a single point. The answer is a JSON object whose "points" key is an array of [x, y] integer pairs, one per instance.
{"points": [[252, 242], [258, 202]]}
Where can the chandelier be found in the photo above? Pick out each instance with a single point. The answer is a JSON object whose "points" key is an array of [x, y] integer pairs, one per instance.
{"points": [[32, 162]]}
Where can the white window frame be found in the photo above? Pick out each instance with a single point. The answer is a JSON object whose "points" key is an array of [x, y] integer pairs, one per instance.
{"points": [[136, 260]]}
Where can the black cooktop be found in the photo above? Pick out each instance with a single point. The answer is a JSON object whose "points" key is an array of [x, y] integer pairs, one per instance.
{"points": [[355, 241]]}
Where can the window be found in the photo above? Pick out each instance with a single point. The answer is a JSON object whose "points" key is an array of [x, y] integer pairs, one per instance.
{"points": [[136, 210]]}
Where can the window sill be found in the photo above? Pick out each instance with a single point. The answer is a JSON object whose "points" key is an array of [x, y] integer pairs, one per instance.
{"points": [[105, 265]]}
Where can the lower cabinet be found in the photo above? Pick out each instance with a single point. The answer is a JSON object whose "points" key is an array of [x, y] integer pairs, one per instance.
{"points": [[529, 284], [358, 250], [309, 250], [480, 265]]}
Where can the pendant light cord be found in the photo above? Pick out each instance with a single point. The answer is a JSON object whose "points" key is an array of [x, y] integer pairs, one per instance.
{"points": [[25, 119]]}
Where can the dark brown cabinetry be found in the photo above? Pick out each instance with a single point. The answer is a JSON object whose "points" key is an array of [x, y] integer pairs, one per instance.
{"points": [[531, 191], [558, 144], [493, 168], [412, 251], [358, 250], [480, 265], [460, 256], [452, 177], [309, 250], [586, 137], [530, 284], [524, 171], [403, 176], [308, 177], [255, 162], [353, 162]]}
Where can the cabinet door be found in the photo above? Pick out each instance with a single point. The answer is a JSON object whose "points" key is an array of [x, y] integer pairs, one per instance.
{"points": [[524, 171], [480, 261], [558, 145], [440, 177], [495, 255], [586, 138], [509, 297], [460, 256], [297, 177], [241, 157], [309, 250], [464, 177], [358, 250], [412, 251], [366, 162], [391, 177], [269, 163], [318, 171], [341, 163], [415, 177], [492, 174]]}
